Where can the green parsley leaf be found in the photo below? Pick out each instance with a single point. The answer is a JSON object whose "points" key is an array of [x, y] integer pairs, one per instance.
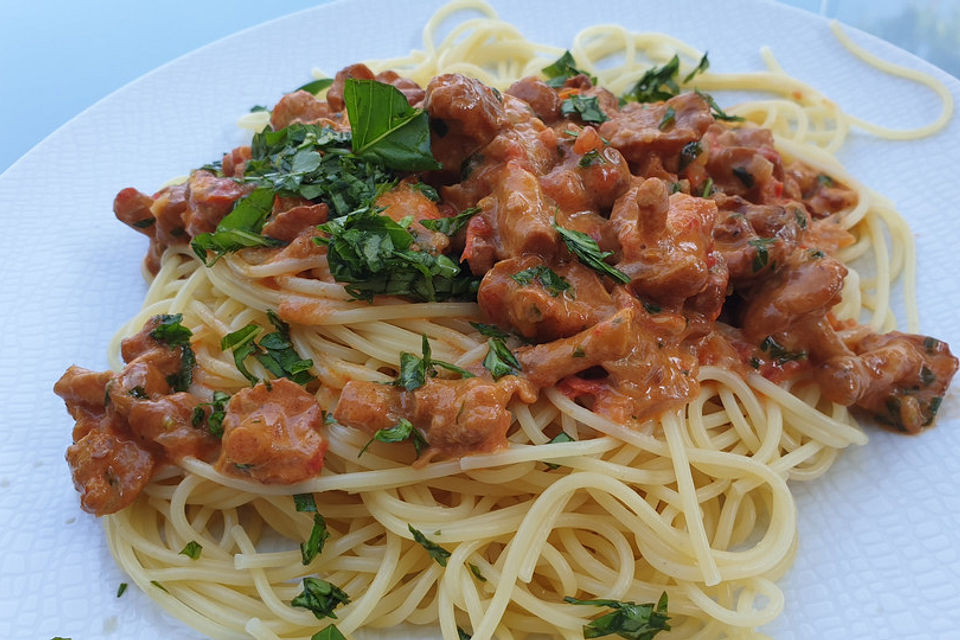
{"points": [[560, 437], [490, 331], [171, 332], [192, 550], [669, 118], [304, 502], [386, 128], [403, 430], [320, 597], [762, 256], [375, 256], [780, 353], [451, 226], [329, 632], [545, 277], [586, 107], [315, 86], [239, 229], [500, 361], [436, 552], [701, 67], [475, 570], [588, 252], [628, 619], [314, 544], [562, 68], [715, 110]]}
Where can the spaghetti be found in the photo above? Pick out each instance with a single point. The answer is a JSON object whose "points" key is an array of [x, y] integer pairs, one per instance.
{"points": [[690, 499]]}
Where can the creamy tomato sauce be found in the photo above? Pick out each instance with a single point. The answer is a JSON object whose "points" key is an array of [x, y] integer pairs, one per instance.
{"points": [[708, 247]]}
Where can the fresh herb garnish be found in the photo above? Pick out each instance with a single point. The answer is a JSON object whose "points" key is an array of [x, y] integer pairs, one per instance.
{"points": [[744, 176], [122, 588], [315, 86], [139, 393], [490, 331], [429, 192], [701, 67], [657, 83], [375, 255], [707, 188], [171, 332], [780, 353], [560, 437], [463, 635], [562, 68], [320, 597], [801, 217], [329, 632], [628, 619], [385, 128], [304, 502], [314, 544], [586, 107], [403, 430], [588, 252], [545, 277], [824, 180], [218, 411], [275, 351], [414, 371], [715, 110], [239, 229], [591, 158], [453, 225], [192, 550], [669, 118], [475, 570], [762, 256], [500, 361], [436, 552]]}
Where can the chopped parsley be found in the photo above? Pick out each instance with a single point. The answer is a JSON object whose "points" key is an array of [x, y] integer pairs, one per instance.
{"points": [[545, 277], [314, 544], [628, 619], [171, 332], [586, 107], [320, 597], [403, 430], [453, 225], [192, 550], [563, 68], [414, 371], [762, 256], [500, 361], [588, 252], [238, 229], [274, 351], [438, 553]]}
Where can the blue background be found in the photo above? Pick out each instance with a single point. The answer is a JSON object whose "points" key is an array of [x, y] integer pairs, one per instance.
{"points": [[58, 57]]}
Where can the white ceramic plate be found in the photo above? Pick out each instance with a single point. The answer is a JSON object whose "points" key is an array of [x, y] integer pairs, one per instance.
{"points": [[879, 552]]}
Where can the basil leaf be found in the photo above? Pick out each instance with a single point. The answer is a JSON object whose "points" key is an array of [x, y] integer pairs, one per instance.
{"points": [[586, 107], [545, 277], [122, 588], [315, 86], [562, 68], [715, 110], [453, 225], [320, 597], [669, 117], [403, 430], [762, 256], [475, 570], [241, 342], [701, 67], [192, 550], [657, 83], [170, 330], [436, 552], [628, 619], [329, 632], [239, 229], [588, 252], [314, 544], [275, 351], [217, 413], [780, 353], [386, 128], [500, 361]]}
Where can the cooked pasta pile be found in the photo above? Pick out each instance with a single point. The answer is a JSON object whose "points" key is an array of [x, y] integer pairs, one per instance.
{"points": [[694, 503]]}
